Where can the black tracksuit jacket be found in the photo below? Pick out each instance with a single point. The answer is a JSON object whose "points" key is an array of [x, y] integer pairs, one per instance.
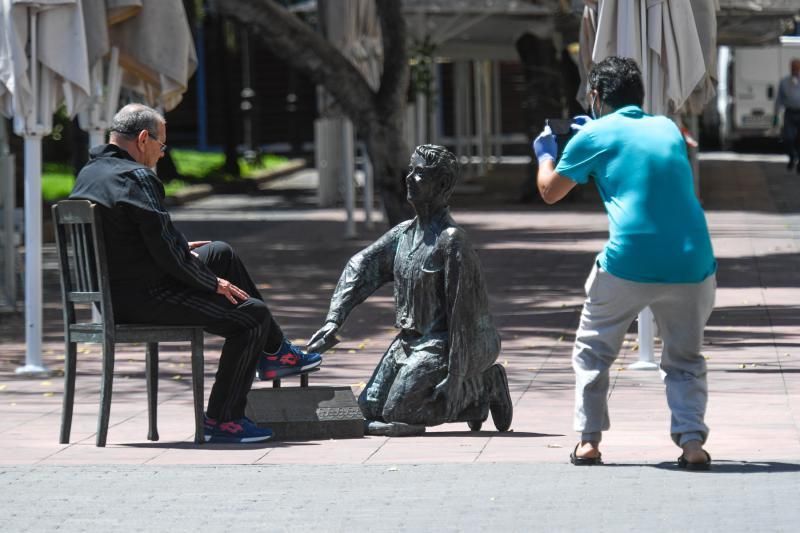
{"points": [[143, 247]]}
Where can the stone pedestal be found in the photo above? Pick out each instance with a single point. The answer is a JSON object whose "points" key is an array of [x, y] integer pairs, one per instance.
{"points": [[306, 413]]}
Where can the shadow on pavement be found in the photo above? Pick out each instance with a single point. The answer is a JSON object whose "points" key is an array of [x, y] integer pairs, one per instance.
{"points": [[484, 434], [735, 467], [717, 467], [215, 447], [766, 370]]}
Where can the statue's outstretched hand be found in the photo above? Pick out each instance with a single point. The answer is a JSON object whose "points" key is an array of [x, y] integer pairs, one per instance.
{"points": [[323, 339], [448, 389]]}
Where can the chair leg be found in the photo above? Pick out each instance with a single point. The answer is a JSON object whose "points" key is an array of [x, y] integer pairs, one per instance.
{"points": [[276, 384], [151, 365], [105, 392], [197, 385], [304, 380], [70, 359]]}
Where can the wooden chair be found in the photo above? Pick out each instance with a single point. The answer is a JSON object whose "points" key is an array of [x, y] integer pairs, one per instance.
{"points": [[84, 279]]}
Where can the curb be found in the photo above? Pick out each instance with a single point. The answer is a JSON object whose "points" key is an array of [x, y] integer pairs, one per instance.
{"points": [[293, 165], [203, 190], [189, 194]]}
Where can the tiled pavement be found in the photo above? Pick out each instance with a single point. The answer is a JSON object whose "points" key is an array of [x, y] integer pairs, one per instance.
{"points": [[535, 258]]}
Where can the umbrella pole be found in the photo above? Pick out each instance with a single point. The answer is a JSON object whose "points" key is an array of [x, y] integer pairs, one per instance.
{"points": [[33, 218], [97, 136], [348, 167], [646, 334], [33, 257], [368, 187], [114, 82], [8, 292]]}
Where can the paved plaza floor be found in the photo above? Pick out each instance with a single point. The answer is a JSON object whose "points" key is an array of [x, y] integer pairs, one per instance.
{"points": [[535, 259]]}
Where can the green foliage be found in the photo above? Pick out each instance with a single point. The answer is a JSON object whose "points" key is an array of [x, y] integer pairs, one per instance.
{"points": [[422, 64], [196, 164], [197, 167], [199, 12], [57, 181], [266, 162], [172, 187], [207, 165]]}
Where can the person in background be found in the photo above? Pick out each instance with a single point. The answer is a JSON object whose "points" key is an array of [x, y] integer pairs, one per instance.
{"points": [[158, 277], [788, 98], [658, 254]]}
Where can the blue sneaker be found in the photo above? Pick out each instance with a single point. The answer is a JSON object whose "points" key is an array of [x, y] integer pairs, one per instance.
{"points": [[240, 431], [289, 361]]}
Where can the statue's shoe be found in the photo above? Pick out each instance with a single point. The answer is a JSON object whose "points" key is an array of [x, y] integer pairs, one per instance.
{"points": [[475, 425], [392, 429], [476, 416], [500, 398]]}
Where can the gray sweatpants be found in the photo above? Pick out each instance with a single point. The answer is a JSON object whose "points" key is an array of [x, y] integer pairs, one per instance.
{"points": [[681, 311]]}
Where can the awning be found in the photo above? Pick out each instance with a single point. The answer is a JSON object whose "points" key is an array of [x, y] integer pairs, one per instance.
{"points": [[755, 22]]}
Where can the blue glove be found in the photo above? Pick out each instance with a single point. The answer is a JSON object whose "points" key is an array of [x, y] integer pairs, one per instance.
{"points": [[580, 121], [545, 145]]}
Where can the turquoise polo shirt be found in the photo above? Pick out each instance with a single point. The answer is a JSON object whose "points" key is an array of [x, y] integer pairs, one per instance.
{"points": [[657, 229]]}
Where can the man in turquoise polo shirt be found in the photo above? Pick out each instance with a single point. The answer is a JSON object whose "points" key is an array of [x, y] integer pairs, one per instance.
{"points": [[658, 254]]}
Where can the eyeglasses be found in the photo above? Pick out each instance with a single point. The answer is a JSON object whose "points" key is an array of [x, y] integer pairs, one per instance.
{"points": [[135, 133], [163, 146]]}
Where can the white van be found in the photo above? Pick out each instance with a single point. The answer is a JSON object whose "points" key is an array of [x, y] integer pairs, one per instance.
{"points": [[748, 85]]}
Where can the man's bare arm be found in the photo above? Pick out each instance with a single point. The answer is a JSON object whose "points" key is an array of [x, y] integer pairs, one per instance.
{"points": [[552, 185]]}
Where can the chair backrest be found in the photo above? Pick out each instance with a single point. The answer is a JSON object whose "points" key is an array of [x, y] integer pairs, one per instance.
{"points": [[82, 260]]}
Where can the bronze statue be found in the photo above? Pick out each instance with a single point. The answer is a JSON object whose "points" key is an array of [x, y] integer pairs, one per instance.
{"points": [[441, 366]]}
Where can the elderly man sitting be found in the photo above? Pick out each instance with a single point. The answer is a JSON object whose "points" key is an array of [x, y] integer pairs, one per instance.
{"points": [[158, 277]]}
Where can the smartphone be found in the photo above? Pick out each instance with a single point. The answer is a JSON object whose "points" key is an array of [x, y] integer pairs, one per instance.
{"points": [[560, 126], [562, 129]]}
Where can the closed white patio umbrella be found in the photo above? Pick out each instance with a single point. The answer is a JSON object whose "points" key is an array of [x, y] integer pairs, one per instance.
{"points": [[43, 64], [156, 50], [674, 43], [103, 62], [143, 45]]}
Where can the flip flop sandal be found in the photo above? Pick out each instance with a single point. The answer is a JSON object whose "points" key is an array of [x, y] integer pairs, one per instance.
{"points": [[584, 461], [695, 467]]}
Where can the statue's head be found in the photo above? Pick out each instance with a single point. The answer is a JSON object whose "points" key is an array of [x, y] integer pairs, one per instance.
{"points": [[440, 166]]}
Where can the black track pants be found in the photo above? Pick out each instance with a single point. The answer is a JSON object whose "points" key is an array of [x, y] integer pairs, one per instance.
{"points": [[248, 327]]}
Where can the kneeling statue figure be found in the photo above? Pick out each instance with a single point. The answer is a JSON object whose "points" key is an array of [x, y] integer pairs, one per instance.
{"points": [[441, 366]]}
